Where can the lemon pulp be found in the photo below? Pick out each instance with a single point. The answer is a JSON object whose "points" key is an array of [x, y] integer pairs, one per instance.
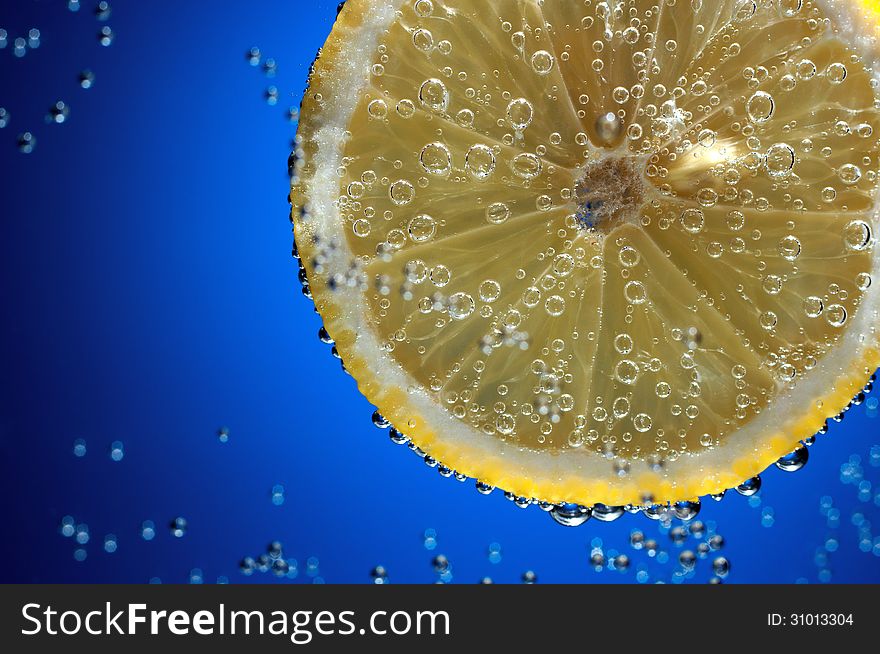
{"points": [[609, 252]]}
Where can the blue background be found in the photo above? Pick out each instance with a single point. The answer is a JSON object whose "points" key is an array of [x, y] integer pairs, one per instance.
{"points": [[149, 297]]}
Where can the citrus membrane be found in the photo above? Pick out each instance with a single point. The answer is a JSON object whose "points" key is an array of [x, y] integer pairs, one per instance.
{"points": [[597, 252]]}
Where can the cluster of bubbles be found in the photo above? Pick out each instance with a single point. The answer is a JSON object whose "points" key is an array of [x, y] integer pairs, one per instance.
{"points": [[690, 541], [269, 67], [59, 112], [281, 567], [274, 559], [860, 475], [688, 545], [116, 451], [441, 567], [21, 44], [176, 527], [277, 494], [573, 515], [676, 555], [79, 533], [106, 36]]}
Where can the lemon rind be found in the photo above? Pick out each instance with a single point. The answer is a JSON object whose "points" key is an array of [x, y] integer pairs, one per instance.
{"points": [[338, 78]]}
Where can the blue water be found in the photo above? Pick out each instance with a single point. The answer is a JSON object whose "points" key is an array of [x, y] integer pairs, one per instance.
{"points": [[150, 298]]}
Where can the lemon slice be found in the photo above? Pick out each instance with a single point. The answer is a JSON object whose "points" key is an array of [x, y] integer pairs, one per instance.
{"points": [[596, 252]]}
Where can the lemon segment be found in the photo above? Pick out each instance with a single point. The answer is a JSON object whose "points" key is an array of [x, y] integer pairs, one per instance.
{"points": [[597, 252]]}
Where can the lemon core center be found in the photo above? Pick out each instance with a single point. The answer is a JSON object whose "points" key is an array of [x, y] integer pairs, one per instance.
{"points": [[610, 191]]}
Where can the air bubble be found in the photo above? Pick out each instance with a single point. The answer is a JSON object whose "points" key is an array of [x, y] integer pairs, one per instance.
{"points": [[780, 160], [692, 220], [735, 220], [402, 192], [440, 276], [789, 247], [706, 138], [526, 165], [629, 257], [102, 10], [497, 213], [117, 451], [790, 8], [836, 315], [423, 8], [490, 291], [836, 73], [421, 228], [563, 265], [788, 82], [806, 69], [434, 95], [760, 107], [794, 461], [813, 306], [178, 527], [461, 305], [543, 62], [768, 320], [520, 113], [26, 143], [864, 130], [635, 292], [406, 108], [642, 422], [377, 109], [555, 305], [106, 36], [849, 174], [480, 161], [857, 235], [423, 40], [772, 284], [626, 371], [436, 159], [608, 127]]}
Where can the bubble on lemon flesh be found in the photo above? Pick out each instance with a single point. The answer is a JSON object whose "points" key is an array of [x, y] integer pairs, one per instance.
{"points": [[610, 252]]}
